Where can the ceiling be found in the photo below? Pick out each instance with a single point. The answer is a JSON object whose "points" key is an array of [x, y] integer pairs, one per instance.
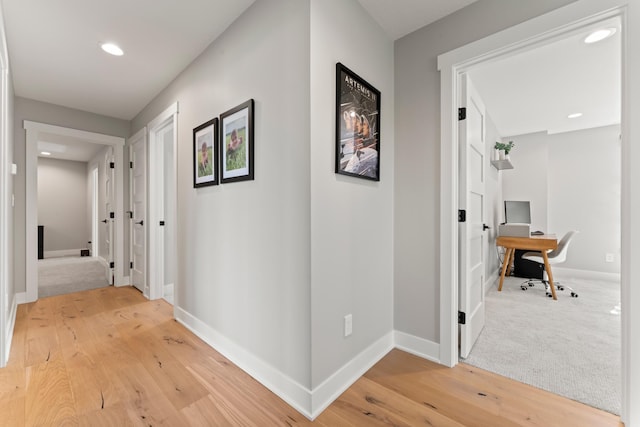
{"points": [[55, 58], [535, 91], [67, 147]]}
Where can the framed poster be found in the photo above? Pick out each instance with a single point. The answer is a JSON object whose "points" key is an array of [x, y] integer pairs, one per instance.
{"points": [[236, 143], [205, 154], [357, 126]]}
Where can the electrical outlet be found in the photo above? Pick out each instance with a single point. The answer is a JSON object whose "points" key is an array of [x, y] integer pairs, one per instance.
{"points": [[609, 258], [348, 325]]}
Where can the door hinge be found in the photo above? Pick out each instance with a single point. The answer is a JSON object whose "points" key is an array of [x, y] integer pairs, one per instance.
{"points": [[112, 165], [462, 318], [130, 214], [130, 165], [112, 264], [131, 264], [462, 215], [112, 215], [462, 113], [162, 223]]}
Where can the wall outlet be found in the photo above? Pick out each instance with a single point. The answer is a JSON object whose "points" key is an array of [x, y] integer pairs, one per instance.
{"points": [[609, 258], [348, 325]]}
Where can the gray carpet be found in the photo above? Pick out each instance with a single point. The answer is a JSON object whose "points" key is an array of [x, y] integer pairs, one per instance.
{"points": [[570, 347], [64, 275]]}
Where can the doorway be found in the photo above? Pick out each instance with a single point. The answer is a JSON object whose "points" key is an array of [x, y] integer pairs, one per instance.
{"points": [[34, 133], [162, 206], [538, 31]]}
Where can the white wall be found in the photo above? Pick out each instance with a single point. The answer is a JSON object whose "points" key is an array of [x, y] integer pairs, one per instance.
{"points": [[62, 204], [351, 219], [243, 248], [529, 178], [493, 198]]}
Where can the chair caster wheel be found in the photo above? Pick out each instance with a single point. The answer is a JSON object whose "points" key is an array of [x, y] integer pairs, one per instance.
{"points": [[531, 285], [560, 288], [550, 296], [524, 288], [573, 294]]}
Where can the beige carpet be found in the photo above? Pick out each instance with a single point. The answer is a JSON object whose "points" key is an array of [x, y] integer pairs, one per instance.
{"points": [[64, 275], [571, 347]]}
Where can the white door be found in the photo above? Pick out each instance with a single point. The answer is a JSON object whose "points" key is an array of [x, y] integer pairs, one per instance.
{"points": [[471, 201], [109, 210], [138, 203]]}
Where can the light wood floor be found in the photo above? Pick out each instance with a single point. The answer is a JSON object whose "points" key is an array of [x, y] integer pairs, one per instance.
{"points": [[108, 357]]}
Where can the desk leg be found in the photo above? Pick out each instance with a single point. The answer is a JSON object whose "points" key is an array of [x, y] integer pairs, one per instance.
{"points": [[548, 268], [505, 263]]}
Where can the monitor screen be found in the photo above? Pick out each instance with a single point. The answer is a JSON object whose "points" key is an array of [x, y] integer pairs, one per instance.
{"points": [[517, 212]]}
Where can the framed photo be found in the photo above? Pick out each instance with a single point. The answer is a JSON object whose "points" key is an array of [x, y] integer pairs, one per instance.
{"points": [[236, 143], [357, 126], [205, 154]]}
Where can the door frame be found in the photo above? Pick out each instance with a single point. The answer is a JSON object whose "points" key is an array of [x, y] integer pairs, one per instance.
{"points": [[519, 38], [95, 217], [33, 129], [156, 198]]}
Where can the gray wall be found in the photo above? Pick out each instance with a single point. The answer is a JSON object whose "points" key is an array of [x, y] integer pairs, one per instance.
{"points": [[351, 219], [417, 155], [576, 187], [243, 248], [62, 204], [27, 109]]}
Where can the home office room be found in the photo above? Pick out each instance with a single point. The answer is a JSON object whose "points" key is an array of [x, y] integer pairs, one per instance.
{"points": [[557, 113]]}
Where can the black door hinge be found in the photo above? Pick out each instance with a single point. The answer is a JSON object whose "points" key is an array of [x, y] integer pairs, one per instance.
{"points": [[112, 264], [112, 215], [462, 215], [130, 214], [131, 264], [462, 113], [462, 318], [162, 223], [130, 165], [112, 165]]}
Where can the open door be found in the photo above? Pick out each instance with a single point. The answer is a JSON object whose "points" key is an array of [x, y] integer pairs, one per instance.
{"points": [[471, 204], [138, 213]]}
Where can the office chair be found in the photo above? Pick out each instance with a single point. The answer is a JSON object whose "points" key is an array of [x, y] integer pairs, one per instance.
{"points": [[556, 256]]}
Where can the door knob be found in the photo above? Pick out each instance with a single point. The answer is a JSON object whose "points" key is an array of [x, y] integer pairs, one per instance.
{"points": [[104, 220], [141, 222], [485, 227]]}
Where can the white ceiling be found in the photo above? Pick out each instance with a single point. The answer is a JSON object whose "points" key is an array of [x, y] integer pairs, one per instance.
{"points": [[401, 17], [55, 57], [67, 148], [535, 91]]}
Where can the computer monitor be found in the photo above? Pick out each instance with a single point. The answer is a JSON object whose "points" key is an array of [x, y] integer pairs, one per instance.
{"points": [[517, 212]]}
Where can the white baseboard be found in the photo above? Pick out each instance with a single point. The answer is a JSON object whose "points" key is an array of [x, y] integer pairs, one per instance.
{"points": [[65, 252], [307, 402], [560, 272], [10, 326], [295, 394], [493, 279], [126, 281], [417, 346], [330, 389]]}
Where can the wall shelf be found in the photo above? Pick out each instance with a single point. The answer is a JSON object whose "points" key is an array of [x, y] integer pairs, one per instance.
{"points": [[502, 164]]}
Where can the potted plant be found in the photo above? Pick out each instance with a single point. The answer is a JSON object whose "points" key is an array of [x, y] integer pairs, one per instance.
{"points": [[503, 149]]}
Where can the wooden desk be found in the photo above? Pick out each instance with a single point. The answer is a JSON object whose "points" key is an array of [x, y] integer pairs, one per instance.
{"points": [[542, 244]]}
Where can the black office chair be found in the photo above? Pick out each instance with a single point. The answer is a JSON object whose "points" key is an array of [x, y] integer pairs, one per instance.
{"points": [[556, 256]]}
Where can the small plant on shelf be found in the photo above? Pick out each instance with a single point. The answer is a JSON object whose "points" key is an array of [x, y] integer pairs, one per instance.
{"points": [[502, 146]]}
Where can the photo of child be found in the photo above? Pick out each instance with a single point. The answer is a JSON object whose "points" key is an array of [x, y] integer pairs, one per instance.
{"points": [[205, 154]]}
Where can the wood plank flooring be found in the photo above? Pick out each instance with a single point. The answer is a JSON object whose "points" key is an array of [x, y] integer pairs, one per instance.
{"points": [[108, 357]]}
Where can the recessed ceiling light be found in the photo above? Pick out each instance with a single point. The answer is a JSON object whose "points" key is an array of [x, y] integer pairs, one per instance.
{"points": [[574, 115], [599, 35], [112, 49], [45, 153]]}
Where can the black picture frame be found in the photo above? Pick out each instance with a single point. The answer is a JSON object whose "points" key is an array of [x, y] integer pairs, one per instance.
{"points": [[237, 144], [357, 126], [205, 140]]}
